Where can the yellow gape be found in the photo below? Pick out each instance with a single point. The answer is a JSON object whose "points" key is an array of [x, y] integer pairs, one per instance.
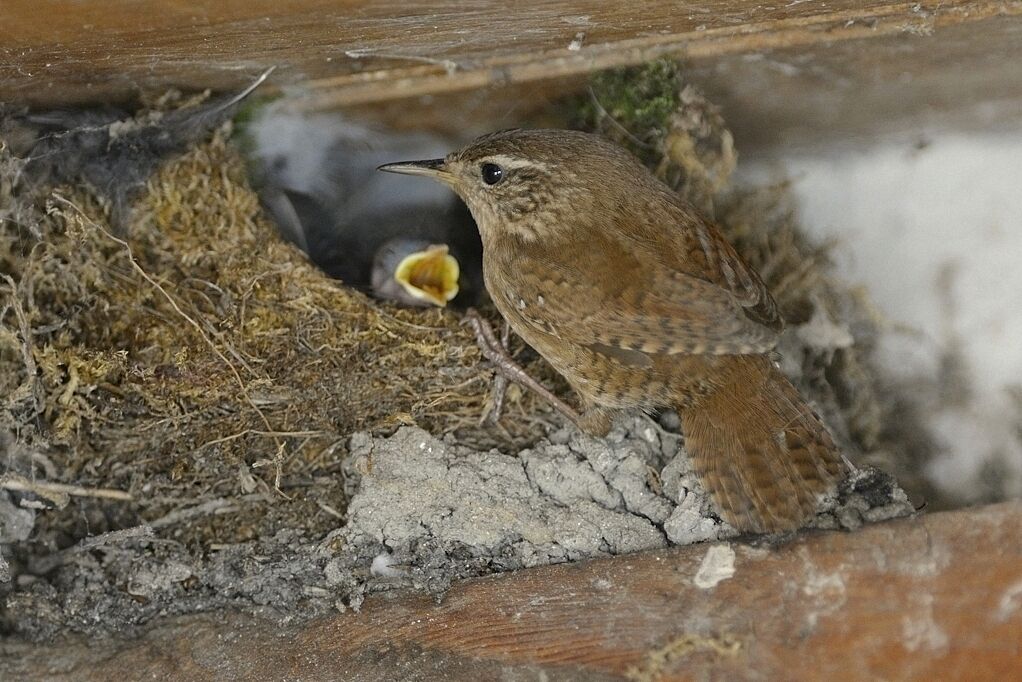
{"points": [[430, 275]]}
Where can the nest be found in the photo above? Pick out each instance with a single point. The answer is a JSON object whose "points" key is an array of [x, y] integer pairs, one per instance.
{"points": [[200, 358], [193, 372]]}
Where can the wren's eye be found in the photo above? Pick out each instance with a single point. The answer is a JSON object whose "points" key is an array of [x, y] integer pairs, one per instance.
{"points": [[492, 173]]}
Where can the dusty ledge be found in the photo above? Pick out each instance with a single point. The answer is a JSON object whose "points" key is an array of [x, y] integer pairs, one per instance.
{"points": [[937, 595]]}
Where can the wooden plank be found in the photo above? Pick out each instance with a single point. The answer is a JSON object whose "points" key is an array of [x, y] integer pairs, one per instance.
{"points": [[963, 77], [349, 51], [966, 77], [934, 597]]}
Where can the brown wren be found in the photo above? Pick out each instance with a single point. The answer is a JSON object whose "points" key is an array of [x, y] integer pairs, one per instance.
{"points": [[640, 302]]}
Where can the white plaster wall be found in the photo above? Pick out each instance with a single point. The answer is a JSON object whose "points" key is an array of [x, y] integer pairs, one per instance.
{"points": [[934, 232]]}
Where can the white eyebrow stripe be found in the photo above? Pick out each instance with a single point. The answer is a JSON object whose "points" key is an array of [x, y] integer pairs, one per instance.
{"points": [[512, 163]]}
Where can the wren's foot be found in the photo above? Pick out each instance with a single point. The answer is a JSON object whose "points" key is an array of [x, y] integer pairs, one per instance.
{"points": [[497, 353], [499, 380]]}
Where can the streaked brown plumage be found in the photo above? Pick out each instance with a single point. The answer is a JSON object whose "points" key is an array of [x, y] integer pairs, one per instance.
{"points": [[641, 303]]}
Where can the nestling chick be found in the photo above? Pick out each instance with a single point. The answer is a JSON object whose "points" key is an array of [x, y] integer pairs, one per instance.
{"points": [[317, 177], [414, 272], [640, 302]]}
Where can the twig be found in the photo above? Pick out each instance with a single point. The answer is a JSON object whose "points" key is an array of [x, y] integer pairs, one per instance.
{"points": [[247, 91], [26, 345], [59, 492], [382, 312], [45, 462], [330, 510], [116, 537], [254, 432], [624, 131], [220, 504]]}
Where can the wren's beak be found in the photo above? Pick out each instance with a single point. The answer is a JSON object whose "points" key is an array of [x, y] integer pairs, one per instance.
{"points": [[429, 275], [433, 168]]}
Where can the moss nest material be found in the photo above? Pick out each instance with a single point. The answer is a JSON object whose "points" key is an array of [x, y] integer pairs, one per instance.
{"points": [[189, 385]]}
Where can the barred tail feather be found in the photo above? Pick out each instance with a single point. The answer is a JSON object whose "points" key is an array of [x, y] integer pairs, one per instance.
{"points": [[764, 456]]}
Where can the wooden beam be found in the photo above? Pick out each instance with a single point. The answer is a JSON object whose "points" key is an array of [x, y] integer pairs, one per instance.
{"points": [[934, 597], [964, 77], [342, 52]]}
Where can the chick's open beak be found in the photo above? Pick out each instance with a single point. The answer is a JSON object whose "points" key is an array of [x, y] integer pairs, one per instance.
{"points": [[429, 275], [432, 167]]}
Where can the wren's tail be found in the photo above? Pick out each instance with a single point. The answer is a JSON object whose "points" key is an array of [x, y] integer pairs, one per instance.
{"points": [[757, 447]]}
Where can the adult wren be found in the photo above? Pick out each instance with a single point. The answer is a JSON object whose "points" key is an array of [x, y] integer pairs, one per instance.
{"points": [[640, 302]]}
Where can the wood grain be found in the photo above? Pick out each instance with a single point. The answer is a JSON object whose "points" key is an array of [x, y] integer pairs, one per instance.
{"points": [[344, 52], [962, 77], [934, 597]]}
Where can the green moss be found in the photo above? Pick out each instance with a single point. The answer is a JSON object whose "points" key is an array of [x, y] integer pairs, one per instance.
{"points": [[632, 105], [248, 111]]}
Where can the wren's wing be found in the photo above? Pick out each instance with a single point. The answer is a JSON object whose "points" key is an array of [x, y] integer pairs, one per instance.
{"points": [[725, 268], [673, 291]]}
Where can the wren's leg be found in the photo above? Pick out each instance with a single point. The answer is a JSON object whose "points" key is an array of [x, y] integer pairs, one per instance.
{"points": [[499, 380], [497, 353]]}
